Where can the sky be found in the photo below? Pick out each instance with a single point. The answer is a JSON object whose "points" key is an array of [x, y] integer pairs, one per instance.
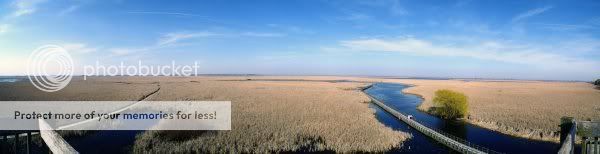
{"points": [[546, 40]]}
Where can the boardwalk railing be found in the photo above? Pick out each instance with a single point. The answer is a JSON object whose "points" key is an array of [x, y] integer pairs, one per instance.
{"points": [[52, 140], [589, 131], [55, 143], [450, 141], [567, 135], [15, 135]]}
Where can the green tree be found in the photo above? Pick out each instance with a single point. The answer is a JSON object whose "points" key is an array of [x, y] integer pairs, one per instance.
{"points": [[450, 104], [597, 82]]}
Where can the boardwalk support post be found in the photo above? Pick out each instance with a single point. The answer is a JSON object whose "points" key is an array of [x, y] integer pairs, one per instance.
{"points": [[28, 142], [3, 142], [16, 145]]}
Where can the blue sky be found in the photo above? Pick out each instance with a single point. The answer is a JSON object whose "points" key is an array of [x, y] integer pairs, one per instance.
{"points": [[554, 40]]}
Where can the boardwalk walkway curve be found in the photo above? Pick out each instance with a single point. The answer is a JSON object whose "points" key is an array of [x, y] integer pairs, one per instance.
{"points": [[441, 138]]}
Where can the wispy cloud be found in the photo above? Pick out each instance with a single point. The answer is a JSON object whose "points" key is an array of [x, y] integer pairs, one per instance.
{"points": [[25, 7], [393, 6], [489, 50], [262, 34], [480, 28], [129, 51], [78, 48], [68, 10], [530, 13], [461, 3], [356, 17], [172, 38], [164, 13], [166, 40], [292, 29], [565, 27], [595, 21], [397, 9]]}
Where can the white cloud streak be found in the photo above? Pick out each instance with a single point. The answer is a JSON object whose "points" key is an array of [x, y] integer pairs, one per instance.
{"points": [[393, 6], [25, 7], [165, 13], [397, 9], [129, 51], [565, 27], [261, 34], [496, 51], [69, 10], [595, 21], [356, 17], [172, 38], [78, 48], [292, 29], [530, 13]]}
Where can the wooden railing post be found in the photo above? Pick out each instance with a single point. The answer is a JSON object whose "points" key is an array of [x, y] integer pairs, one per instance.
{"points": [[55, 143], [584, 149], [568, 128], [566, 123], [597, 145], [28, 142], [2, 144], [16, 145]]}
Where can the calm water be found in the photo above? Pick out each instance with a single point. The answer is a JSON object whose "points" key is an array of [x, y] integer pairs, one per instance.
{"points": [[10, 79], [391, 94], [106, 141]]}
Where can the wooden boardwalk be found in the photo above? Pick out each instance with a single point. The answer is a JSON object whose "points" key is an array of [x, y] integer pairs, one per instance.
{"points": [[53, 141], [452, 143], [588, 131]]}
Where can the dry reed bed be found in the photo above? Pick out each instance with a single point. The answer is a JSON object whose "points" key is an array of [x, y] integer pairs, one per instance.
{"points": [[530, 109], [275, 116], [92, 89], [268, 116], [298, 115]]}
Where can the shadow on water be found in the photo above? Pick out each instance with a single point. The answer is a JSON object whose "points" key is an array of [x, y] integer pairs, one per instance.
{"points": [[105, 141], [392, 95]]}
